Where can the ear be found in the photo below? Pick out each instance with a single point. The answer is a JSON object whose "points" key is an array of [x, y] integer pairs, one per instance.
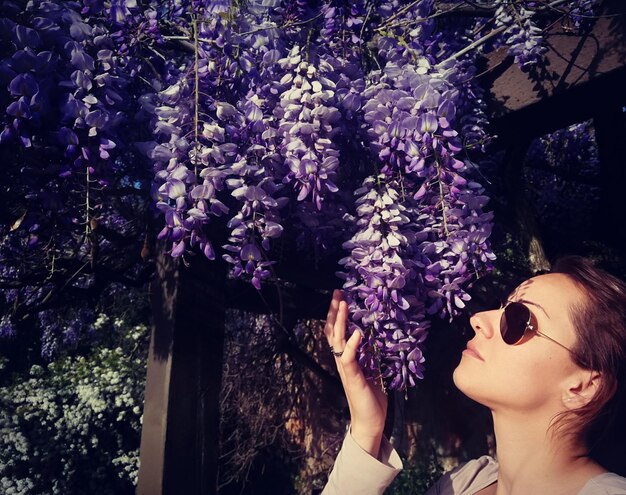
{"points": [[582, 389]]}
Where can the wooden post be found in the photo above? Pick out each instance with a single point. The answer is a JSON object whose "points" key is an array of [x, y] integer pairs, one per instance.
{"points": [[180, 433]]}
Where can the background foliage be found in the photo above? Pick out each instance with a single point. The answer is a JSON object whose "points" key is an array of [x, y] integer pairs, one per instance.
{"points": [[72, 425]]}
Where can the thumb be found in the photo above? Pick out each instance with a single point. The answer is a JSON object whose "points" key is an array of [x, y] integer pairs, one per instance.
{"points": [[352, 345], [348, 360]]}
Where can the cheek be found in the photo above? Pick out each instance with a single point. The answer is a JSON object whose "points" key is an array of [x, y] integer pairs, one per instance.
{"points": [[511, 379]]}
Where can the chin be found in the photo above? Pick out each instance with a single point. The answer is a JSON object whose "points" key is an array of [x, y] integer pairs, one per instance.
{"points": [[490, 392], [459, 377], [469, 383]]}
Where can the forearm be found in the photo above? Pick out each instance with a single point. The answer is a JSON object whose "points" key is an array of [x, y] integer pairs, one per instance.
{"points": [[356, 472], [369, 441]]}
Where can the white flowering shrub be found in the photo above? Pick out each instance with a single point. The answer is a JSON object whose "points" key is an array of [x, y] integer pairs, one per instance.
{"points": [[73, 426]]}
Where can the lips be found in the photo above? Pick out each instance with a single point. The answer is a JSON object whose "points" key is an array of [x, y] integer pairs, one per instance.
{"points": [[472, 351]]}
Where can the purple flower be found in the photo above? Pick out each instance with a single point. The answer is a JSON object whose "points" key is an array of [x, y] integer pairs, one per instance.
{"points": [[7, 330], [23, 85], [279, 112], [522, 36], [382, 287], [308, 118]]}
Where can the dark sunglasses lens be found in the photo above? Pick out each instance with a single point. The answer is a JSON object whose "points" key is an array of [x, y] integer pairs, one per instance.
{"points": [[513, 322]]}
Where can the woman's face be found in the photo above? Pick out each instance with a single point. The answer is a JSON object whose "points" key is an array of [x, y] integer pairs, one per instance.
{"points": [[536, 373]]}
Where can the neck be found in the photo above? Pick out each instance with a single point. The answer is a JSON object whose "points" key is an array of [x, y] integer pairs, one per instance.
{"points": [[533, 459]]}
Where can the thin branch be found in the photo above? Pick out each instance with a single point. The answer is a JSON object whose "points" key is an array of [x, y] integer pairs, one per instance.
{"points": [[196, 96], [406, 8], [284, 26], [474, 45]]}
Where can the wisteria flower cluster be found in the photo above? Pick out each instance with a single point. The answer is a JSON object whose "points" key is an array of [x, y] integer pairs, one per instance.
{"points": [[522, 35], [249, 126], [523, 25], [410, 114], [382, 286], [583, 13], [71, 181], [308, 115]]}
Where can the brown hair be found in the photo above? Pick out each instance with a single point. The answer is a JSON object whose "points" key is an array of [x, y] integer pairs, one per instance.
{"points": [[600, 325]]}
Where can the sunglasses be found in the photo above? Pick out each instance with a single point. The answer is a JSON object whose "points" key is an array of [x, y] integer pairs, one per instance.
{"points": [[515, 322]]}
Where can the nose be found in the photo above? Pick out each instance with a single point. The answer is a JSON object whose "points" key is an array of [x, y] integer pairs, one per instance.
{"points": [[483, 322]]}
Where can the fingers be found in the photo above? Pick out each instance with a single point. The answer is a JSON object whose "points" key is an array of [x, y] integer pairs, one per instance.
{"points": [[348, 363], [335, 331], [349, 351], [364, 399], [339, 328], [331, 317]]}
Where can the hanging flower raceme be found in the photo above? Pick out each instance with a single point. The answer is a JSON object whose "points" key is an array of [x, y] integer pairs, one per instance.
{"points": [[252, 229], [449, 207], [252, 179], [382, 286], [207, 145], [411, 111], [522, 35], [583, 13], [307, 123], [323, 230], [189, 175]]}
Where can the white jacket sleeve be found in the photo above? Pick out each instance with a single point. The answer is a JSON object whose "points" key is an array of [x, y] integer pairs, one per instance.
{"points": [[356, 472]]}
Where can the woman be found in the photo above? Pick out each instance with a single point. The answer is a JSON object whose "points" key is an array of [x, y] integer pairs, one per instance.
{"points": [[550, 366]]}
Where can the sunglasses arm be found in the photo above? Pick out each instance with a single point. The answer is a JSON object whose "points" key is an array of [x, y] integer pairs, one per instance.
{"points": [[531, 327]]}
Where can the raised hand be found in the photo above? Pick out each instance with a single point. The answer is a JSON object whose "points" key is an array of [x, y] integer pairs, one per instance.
{"points": [[367, 401]]}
